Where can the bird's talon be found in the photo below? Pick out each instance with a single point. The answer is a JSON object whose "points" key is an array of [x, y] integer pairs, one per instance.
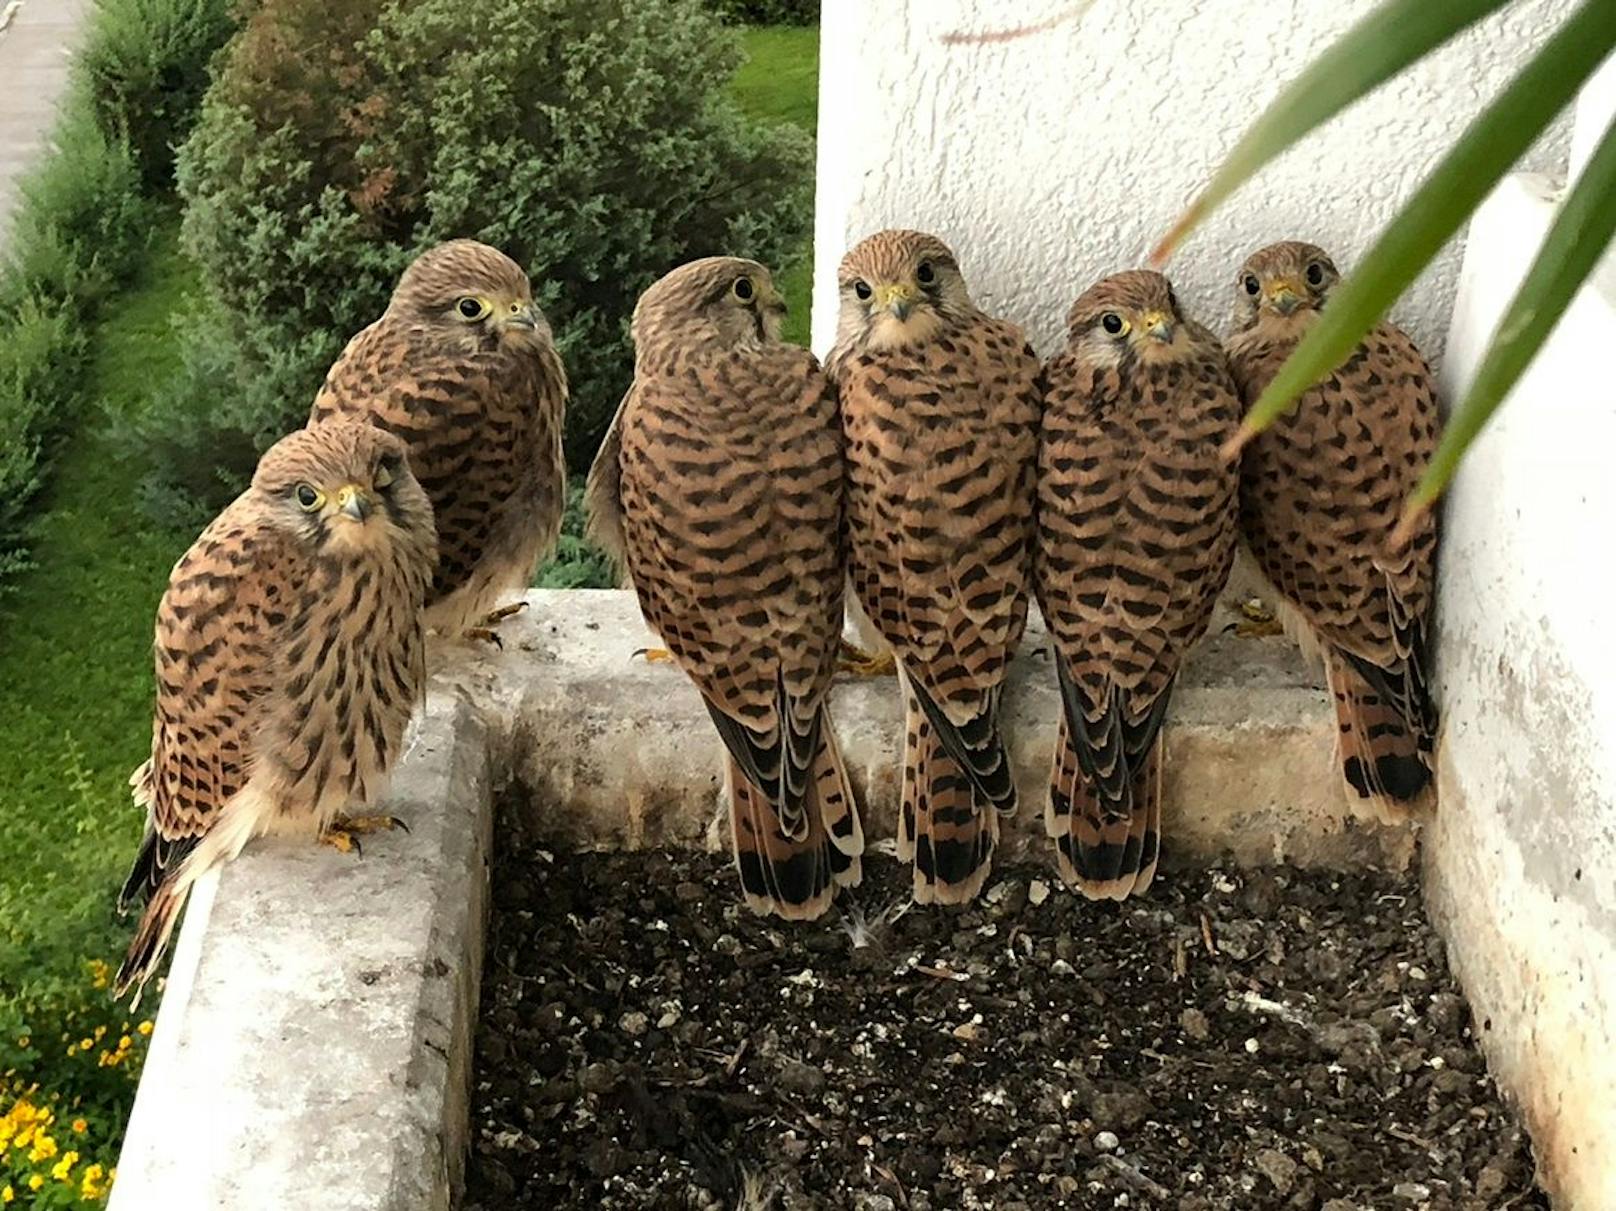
{"points": [[484, 635], [655, 655], [856, 662], [504, 612], [343, 835]]}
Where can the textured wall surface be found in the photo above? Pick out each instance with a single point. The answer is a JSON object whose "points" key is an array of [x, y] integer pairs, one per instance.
{"points": [[1052, 159], [1521, 858]]}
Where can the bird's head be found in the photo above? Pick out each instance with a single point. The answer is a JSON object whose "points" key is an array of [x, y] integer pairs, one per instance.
{"points": [[715, 303], [1285, 283], [898, 289], [345, 487], [1129, 318], [471, 296]]}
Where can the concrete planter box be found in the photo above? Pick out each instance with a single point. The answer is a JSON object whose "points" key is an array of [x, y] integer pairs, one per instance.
{"points": [[316, 1032]]}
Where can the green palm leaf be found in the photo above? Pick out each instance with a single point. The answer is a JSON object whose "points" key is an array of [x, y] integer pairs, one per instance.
{"points": [[1376, 49], [1464, 177]]}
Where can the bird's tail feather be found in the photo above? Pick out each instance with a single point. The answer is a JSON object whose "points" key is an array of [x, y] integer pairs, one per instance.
{"points": [[151, 938], [1105, 848], [1384, 746], [946, 827], [796, 877]]}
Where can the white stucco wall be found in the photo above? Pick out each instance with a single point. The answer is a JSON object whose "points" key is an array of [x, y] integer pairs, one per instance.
{"points": [[1521, 859], [1050, 160]]}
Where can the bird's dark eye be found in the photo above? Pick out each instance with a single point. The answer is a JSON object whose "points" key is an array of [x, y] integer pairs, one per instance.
{"points": [[743, 288], [308, 498], [471, 308], [862, 289], [925, 274], [1111, 322], [1315, 274], [1252, 285]]}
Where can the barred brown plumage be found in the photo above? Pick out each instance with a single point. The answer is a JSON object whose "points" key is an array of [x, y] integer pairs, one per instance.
{"points": [[1321, 492], [462, 367], [940, 404], [720, 486], [289, 659], [1136, 535]]}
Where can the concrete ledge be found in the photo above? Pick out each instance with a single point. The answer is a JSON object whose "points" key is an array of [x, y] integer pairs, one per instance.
{"points": [[611, 753], [314, 1044]]}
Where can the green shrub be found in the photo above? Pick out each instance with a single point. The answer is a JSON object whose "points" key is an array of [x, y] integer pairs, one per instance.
{"points": [[593, 141], [577, 563], [39, 356], [768, 12], [144, 64], [80, 223]]}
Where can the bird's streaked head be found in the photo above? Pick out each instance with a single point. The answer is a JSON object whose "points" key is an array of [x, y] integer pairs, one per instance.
{"points": [[344, 486], [473, 296], [1286, 283], [898, 288], [715, 303], [1128, 318]]}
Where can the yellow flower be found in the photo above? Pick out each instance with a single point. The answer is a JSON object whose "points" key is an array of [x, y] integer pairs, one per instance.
{"points": [[44, 1148], [100, 973], [24, 1041], [125, 1043], [145, 1027], [91, 1187], [80, 1126], [7, 1194], [86, 1044], [63, 1169], [100, 1033], [36, 1181]]}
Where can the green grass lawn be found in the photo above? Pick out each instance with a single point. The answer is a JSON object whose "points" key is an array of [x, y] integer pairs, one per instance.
{"points": [[75, 635]]}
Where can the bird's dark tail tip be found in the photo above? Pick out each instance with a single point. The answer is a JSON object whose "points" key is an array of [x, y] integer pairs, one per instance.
{"points": [[150, 941]]}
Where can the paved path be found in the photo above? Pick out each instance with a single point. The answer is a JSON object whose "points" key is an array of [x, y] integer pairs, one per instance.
{"points": [[33, 75]]}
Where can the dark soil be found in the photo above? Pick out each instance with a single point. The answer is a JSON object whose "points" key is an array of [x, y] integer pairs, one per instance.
{"points": [[1275, 1039]]}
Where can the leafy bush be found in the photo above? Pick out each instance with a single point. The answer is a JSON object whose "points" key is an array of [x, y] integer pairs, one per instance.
{"points": [[577, 563], [592, 141], [144, 64], [77, 232], [80, 224], [39, 348], [768, 12]]}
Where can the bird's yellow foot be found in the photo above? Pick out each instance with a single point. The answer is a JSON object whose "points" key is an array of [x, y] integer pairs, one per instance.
{"points": [[343, 835], [655, 655], [856, 661], [1259, 620], [483, 632]]}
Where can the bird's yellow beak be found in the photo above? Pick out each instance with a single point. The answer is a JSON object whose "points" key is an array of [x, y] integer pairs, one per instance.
{"points": [[898, 298], [771, 299], [521, 315], [354, 502], [1159, 325], [1283, 296]]}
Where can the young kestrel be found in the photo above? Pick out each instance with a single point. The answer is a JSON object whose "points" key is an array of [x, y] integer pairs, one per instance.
{"points": [[940, 404], [1137, 527], [1320, 494], [289, 658], [720, 484], [462, 367]]}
